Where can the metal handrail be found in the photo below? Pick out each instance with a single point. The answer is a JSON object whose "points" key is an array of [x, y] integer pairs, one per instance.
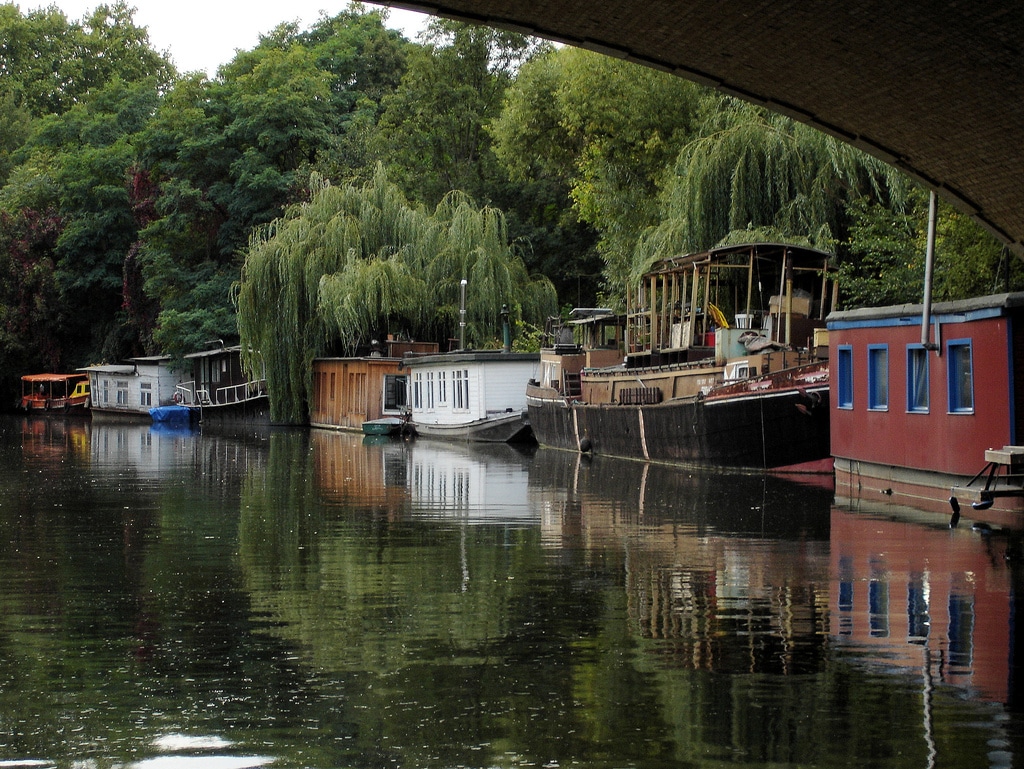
{"points": [[190, 395]]}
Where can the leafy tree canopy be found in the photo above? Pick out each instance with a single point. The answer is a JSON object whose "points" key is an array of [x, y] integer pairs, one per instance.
{"points": [[431, 136], [884, 259], [605, 130], [51, 63]]}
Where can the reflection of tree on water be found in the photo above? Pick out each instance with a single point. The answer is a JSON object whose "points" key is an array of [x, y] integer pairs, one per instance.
{"points": [[644, 617]]}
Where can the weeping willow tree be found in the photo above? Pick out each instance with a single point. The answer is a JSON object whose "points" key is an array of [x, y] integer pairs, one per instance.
{"points": [[357, 261], [754, 174]]}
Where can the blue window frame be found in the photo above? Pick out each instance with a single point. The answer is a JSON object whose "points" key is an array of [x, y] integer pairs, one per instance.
{"points": [[878, 377], [844, 376], [918, 399], [960, 373]]}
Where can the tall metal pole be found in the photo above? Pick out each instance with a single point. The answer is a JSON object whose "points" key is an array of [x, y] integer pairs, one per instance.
{"points": [[462, 317], [929, 268], [506, 330]]}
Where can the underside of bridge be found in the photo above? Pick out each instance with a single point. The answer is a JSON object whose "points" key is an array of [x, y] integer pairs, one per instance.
{"points": [[936, 88]]}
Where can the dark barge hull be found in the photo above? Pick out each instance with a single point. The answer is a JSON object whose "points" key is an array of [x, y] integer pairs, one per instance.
{"points": [[784, 430]]}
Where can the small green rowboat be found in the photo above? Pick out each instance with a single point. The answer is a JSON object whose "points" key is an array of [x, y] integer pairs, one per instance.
{"points": [[383, 426]]}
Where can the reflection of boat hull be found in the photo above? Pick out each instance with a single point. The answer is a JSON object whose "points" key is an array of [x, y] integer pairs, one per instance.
{"points": [[776, 428], [504, 428]]}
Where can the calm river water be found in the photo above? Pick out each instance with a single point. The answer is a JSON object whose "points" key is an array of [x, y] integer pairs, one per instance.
{"points": [[308, 599]]}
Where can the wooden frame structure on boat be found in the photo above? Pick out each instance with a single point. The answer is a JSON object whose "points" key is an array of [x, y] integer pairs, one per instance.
{"points": [[681, 301]]}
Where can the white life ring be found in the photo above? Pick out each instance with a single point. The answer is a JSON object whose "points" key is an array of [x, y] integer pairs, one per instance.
{"points": [[177, 397]]}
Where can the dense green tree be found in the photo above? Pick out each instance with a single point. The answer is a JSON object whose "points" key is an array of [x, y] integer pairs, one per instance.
{"points": [[432, 134], [603, 131], [356, 261], [223, 158], [753, 169], [539, 155], [884, 256], [31, 312], [73, 97], [227, 156], [52, 63], [15, 128], [76, 163], [970, 261]]}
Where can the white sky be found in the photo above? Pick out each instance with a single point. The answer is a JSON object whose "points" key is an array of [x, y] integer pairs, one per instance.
{"points": [[200, 35]]}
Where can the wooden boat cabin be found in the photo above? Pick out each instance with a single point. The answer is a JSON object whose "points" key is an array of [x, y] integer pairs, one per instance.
{"points": [[132, 388], [592, 338], [350, 391], [221, 390], [911, 420], [701, 320], [54, 393]]}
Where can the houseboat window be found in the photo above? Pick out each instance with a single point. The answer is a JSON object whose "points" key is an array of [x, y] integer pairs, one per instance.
{"points": [[878, 602], [917, 379], [918, 619], [961, 376], [146, 394], [430, 389], [106, 391], [961, 630], [844, 376], [460, 386], [417, 390], [878, 377], [333, 380], [442, 387], [122, 393], [395, 397]]}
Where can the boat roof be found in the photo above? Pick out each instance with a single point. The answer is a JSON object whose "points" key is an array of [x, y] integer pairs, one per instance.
{"points": [[104, 368], [236, 348], [129, 367], [965, 307], [50, 377], [761, 250], [468, 356]]}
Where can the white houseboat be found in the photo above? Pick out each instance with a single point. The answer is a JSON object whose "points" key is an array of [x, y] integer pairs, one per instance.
{"points": [[476, 395], [132, 388]]}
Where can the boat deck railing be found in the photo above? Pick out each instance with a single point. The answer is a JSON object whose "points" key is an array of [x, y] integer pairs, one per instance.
{"points": [[188, 394]]}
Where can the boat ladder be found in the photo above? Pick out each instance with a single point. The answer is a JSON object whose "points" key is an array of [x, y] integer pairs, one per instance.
{"points": [[1002, 476]]}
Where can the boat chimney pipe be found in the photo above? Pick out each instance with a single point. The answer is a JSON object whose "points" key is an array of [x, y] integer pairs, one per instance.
{"points": [[929, 269], [506, 330], [462, 317]]}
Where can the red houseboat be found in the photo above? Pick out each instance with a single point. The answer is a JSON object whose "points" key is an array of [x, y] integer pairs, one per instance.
{"points": [[915, 416]]}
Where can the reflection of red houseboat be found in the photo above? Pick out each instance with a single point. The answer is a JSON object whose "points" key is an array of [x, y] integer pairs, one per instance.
{"points": [[59, 393], [924, 597], [912, 420]]}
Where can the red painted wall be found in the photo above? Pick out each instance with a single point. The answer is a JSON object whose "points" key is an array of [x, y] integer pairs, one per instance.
{"points": [[939, 441]]}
